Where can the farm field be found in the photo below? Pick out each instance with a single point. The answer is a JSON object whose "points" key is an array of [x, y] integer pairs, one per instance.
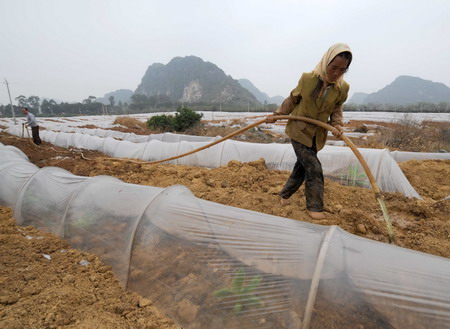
{"points": [[59, 292]]}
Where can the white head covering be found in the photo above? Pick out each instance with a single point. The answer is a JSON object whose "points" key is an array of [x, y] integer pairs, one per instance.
{"points": [[321, 68]]}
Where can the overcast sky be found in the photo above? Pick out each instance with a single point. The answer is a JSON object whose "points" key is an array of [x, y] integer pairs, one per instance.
{"points": [[70, 49]]}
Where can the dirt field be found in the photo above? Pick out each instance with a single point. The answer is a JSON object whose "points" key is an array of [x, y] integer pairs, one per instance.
{"points": [[61, 293]]}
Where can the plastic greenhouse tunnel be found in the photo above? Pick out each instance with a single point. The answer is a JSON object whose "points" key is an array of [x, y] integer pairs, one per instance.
{"points": [[230, 268], [339, 163]]}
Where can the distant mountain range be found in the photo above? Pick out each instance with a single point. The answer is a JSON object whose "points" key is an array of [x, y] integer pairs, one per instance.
{"points": [[406, 90], [121, 95], [260, 96], [192, 80]]}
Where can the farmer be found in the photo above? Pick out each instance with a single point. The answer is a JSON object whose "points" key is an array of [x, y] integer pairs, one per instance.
{"points": [[319, 95], [31, 121]]}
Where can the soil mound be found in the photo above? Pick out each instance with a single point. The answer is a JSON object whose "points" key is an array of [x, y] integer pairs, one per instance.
{"points": [[62, 292], [45, 284]]}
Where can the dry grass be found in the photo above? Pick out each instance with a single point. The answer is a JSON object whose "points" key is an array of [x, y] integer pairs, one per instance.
{"points": [[408, 135], [130, 123]]}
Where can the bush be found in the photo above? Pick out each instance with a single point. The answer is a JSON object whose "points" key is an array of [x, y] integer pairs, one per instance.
{"points": [[186, 118], [162, 123], [183, 120]]}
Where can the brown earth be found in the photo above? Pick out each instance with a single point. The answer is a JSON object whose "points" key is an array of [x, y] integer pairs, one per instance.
{"points": [[44, 284], [37, 292]]}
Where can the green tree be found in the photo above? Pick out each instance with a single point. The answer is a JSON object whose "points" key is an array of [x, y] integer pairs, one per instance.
{"points": [[186, 118], [22, 101], [49, 107], [89, 100], [111, 100], [34, 102], [163, 123], [139, 101]]}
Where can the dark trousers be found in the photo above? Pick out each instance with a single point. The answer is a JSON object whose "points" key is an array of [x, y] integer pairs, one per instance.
{"points": [[307, 169], [35, 134]]}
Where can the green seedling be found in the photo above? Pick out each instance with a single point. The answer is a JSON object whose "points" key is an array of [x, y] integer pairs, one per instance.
{"points": [[354, 176], [83, 221], [240, 292]]}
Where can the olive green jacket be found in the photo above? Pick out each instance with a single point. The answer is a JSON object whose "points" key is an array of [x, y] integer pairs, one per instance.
{"points": [[327, 108]]}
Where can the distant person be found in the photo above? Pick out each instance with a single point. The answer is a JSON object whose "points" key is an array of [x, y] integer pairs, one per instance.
{"points": [[31, 122], [319, 95]]}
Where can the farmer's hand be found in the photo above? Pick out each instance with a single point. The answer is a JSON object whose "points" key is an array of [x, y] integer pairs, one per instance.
{"points": [[339, 131], [270, 118]]}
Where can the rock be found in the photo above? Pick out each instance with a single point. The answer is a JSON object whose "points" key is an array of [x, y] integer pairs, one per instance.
{"points": [[361, 228], [376, 230], [234, 164], [91, 258], [143, 302], [210, 183], [93, 277], [122, 308], [28, 276]]}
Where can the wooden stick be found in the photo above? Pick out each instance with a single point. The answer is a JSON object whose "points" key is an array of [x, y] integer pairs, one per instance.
{"points": [[316, 277]]}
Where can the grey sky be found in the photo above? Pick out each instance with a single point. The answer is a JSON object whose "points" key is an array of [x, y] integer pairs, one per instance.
{"points": [[68, 50]]}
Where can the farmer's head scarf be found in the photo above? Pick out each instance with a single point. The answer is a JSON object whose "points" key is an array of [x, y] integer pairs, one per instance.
{"points": [[321, 68]]}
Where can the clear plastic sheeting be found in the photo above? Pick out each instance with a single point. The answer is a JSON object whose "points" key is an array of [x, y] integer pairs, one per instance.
{"points": [[10, 152], [400, 156], [65, 131], [213, 266], [15, 169], [339, 163]]}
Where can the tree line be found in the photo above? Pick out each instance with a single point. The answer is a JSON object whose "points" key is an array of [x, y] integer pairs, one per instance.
{"points": [[421, 107], [139, 104], [162, 103]]}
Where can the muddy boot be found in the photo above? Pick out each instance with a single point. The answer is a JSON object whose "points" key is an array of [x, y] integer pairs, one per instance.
{"points": [[315, 214], [285, 202]]}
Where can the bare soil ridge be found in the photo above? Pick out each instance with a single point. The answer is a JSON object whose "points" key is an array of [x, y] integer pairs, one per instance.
{"points": [[61, 293]]}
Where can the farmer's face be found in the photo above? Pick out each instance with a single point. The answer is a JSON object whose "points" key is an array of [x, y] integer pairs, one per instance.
{"points": [[337, 67]]}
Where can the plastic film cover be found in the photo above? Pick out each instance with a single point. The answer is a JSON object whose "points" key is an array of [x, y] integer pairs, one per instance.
{"points": [[215, 266]]}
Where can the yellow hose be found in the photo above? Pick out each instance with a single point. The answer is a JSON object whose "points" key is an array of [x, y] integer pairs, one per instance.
{"points": [[321, 124]]}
